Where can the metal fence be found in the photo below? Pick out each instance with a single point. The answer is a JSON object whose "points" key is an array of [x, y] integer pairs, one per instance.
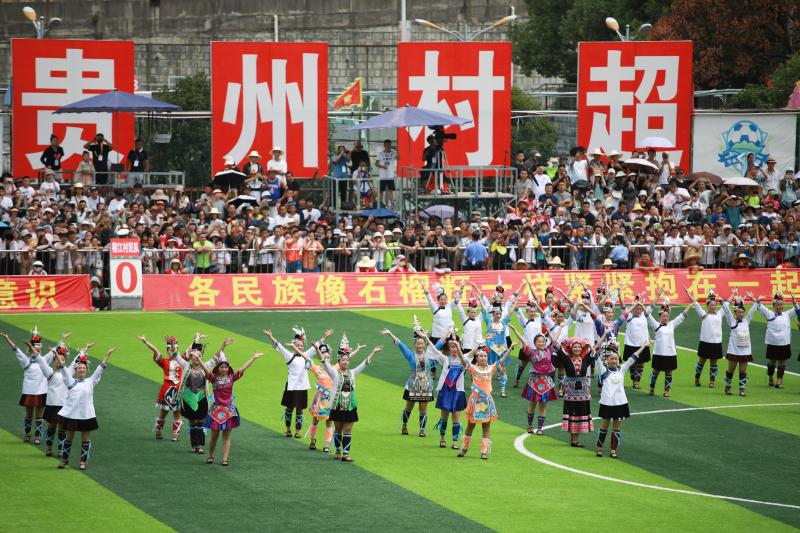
{"points": [[345, 256], [148, 180]]}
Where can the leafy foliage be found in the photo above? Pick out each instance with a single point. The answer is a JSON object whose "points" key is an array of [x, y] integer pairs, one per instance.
{"points": [[190, 148], [548, 42], [533, 132], [735, 42]]}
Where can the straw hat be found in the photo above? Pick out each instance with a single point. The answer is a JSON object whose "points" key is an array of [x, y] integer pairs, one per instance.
{"points": [[277, 149], [366, 262], [556, 261], [520, 265], [254, 153]]}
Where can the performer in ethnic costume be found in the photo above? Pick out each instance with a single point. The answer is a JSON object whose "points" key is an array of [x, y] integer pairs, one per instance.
{"points": [[442, 313], [576, 356], [450, 400], [496, 333], [778, 337], [344, 405], [710, 345], [480, 405], [531, 322], [739, 350], [540, 389], [665, 353], [321, 401], [613, 401], [168, 400], [472, 331], [223, 416], [34, 387], [78, 415], [584, 323], [419, 385], [637, 335], [56, 392], [194, 391], [295, 392]]}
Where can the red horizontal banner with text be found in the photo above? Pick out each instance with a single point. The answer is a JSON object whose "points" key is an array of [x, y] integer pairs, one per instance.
{"points": [[20, 294], [331, 290]]}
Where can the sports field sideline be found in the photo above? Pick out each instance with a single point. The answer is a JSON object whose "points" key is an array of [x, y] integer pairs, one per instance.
{"points": [[699, 441]]}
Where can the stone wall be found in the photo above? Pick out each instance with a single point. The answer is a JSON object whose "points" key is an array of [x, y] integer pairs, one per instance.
{"points": [[172, 36]]}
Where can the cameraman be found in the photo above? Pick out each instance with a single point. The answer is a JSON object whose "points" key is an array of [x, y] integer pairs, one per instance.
{"points": [[100, 150], [340, 170], [429, 156]]}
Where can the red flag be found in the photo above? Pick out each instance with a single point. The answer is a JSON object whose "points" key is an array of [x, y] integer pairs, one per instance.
{"points": [[350, 97]]}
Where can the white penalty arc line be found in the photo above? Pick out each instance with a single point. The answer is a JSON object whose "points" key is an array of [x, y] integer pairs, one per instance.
{"points": [[749, 364], [519, 444]]}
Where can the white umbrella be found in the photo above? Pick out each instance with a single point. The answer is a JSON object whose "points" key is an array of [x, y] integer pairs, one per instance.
{"points": [[740, 181], [439, 211], [641, 165], [656, 142]]}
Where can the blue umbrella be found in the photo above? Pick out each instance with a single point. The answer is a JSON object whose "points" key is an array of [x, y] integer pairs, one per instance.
{"points": [[379, 212], [409, 116], [116, 101]]}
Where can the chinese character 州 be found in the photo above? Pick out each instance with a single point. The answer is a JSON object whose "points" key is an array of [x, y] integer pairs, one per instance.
{"points": [[261, 103]]}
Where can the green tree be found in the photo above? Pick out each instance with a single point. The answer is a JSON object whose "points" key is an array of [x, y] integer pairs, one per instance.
{"points": [[775, 94], [736, 42], [531, 132], [548, 42], [190, 147]]}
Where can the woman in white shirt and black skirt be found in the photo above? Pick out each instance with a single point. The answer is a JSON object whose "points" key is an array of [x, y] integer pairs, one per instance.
{"points": [[613, 400], [739, 350], [34, 387], [710, 344], [778, 336], [77, 415], [665, 354]]}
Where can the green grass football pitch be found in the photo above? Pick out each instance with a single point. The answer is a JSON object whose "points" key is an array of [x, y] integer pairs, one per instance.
{"points": [[699, 460]]}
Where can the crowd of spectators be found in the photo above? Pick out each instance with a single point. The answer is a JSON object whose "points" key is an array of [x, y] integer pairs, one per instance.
{"points": [[576, 212]]}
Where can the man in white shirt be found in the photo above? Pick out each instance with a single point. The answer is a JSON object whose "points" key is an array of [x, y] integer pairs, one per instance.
{"points": [[673, 243], [94, 199], [26, 190], [386, 161], [277, 163], [117, 203], [310, 213], [772, 178], [540, 181], [675, 199], [6, 202]]}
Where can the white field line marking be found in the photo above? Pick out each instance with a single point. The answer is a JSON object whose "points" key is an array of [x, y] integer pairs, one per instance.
{"points": [[749, 364], [519, 444]]}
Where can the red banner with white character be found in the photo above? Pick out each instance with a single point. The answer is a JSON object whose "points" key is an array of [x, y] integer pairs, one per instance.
{"points": [[629, 91], [266, 95], [469, 80], [51, 73], [344, 290], [19, 294]]}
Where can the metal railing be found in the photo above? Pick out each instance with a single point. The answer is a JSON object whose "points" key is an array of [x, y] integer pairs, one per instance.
{"points": [[488, 188], [344, 256], [148, 180]]}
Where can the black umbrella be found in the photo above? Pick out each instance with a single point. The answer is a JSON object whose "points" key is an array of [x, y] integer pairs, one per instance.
{"points": [[243, 199], [228, 179]]}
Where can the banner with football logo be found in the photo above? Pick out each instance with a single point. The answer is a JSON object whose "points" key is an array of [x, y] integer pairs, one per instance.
{"points": [[265, 95], [722, 141], [469, 80], [631, 91]]}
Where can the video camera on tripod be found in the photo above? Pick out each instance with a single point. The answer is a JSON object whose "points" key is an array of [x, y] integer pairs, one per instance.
{"points": [[441, 137]]}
